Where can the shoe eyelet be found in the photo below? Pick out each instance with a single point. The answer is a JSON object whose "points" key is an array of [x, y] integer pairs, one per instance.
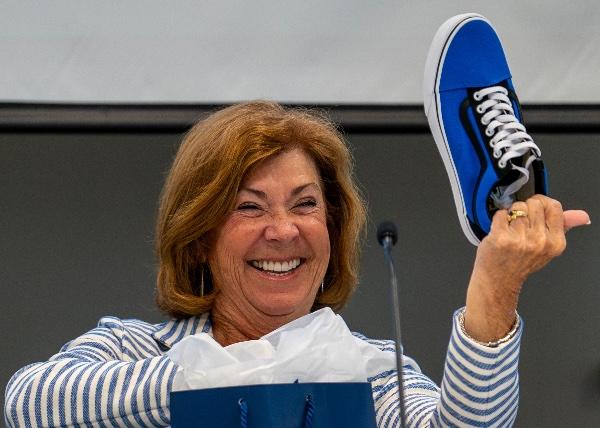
{"points": [[502, 164], [489, 132], [479, 109], [477, 96], [496, 155]]}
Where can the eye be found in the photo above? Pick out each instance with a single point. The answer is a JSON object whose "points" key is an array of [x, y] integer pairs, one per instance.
{"points": [[306, 203], [248, 206]]}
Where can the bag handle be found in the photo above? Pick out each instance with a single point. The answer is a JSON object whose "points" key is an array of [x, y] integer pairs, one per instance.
{"points": [[243, 413], [309, 412]]}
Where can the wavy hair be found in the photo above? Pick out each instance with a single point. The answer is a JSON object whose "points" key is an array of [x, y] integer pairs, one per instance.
{"points": [[203, 182]]}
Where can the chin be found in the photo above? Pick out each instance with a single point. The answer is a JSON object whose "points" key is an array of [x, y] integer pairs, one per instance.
{"points": [[285, 308]]}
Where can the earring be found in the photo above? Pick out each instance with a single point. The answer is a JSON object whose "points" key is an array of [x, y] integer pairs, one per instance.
{"points": [[322, 287]]}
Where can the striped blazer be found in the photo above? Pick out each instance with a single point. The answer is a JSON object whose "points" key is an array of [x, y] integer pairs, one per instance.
{"points": [[118, 375]]}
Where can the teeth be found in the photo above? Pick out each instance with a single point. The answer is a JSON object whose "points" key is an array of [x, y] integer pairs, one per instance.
{"points": [[279, 267]]}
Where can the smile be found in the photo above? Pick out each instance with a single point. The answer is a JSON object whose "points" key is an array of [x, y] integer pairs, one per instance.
{"points": [[276, 267]]}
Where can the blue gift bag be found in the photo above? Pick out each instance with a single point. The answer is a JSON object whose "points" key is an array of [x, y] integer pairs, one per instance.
{"points": [[297, 405]]}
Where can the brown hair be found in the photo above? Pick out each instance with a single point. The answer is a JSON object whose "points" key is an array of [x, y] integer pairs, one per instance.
{"points": [[202, 186]]}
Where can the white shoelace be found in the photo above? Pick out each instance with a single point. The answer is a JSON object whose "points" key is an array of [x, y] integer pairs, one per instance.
{"points": [[509, 139]]}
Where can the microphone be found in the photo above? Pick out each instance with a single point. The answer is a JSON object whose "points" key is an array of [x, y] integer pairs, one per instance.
{"points": [[387, 236], [387, 230]]}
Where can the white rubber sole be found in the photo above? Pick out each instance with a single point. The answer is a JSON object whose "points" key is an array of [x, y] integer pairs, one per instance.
{"points": [[431, 100]]}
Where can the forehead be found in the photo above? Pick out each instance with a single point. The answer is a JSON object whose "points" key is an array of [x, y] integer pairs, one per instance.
{"points": [[290, 167]]}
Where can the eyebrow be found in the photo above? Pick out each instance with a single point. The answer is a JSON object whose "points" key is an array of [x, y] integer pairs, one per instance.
{"points": [[295, 192]]}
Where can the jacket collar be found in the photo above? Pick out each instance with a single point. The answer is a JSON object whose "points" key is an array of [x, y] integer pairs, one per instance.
{"points": [[170, 332]]}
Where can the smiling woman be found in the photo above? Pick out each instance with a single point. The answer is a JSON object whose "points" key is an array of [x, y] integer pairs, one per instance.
{"points": [[242, 168], [272, 252], [259, 224]]}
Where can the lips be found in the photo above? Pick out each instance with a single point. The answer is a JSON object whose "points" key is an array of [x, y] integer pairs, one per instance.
{"points": [[277, 266]]}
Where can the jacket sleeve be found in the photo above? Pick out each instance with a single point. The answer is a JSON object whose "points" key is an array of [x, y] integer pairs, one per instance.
{"points": [[480, 387], [98, 378]]}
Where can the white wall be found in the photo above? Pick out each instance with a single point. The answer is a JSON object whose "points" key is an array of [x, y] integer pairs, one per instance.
{"points": [[356, 51]]}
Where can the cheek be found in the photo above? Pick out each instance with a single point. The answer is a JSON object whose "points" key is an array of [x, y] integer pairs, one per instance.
{"points": [[234, 236], [229, 245], [221, 263], [318, 234]]}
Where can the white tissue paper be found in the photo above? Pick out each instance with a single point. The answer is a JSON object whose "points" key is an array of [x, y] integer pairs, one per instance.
{"points": [[318, 347]]}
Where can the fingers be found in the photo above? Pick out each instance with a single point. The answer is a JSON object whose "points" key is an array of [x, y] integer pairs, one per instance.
{"points": [[499, 221], [555, 242], [554, 214], [575, 218], [537, 215], [559, 220], [543, 213], [519, 224], [520, 245]]}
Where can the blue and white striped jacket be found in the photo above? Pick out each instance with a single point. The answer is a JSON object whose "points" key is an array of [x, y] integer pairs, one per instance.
{"points": [[117, 375]]}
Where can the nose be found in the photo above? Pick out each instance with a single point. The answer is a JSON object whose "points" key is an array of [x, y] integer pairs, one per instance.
{"points": [[281, 229]]}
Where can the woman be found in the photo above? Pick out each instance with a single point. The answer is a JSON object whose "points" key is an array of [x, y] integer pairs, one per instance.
{"points": [[259, 224]]}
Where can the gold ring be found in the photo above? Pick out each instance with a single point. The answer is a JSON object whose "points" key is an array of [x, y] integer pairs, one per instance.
{"points": [[514, 214]]}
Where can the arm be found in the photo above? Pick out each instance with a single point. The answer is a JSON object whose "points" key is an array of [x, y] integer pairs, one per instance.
{"points": [[511, 252], [480, 384], [105, 377], [479, 388]]}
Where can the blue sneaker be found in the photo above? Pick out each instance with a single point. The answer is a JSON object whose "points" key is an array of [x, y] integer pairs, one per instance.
{"points": [[475, 119]]}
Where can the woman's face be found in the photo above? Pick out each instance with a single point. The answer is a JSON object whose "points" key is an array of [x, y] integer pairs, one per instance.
{"points": [[272, 252]]}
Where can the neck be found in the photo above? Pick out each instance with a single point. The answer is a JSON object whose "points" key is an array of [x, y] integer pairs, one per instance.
{"points": [[231, 324]]}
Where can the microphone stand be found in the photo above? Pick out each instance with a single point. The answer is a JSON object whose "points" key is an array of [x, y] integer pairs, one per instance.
{"points": [[387, 236]]}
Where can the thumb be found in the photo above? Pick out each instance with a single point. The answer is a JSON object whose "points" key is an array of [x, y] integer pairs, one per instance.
{"points": [[575, 218]]}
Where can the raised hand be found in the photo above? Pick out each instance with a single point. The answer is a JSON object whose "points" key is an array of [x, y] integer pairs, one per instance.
{"points": [[516, 247]]}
